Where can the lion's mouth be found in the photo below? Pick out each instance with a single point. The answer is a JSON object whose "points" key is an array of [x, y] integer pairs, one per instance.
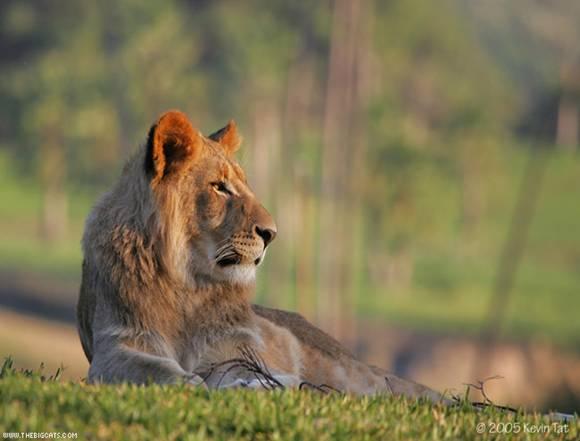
{"points": [[229, 260], [229, 257]]}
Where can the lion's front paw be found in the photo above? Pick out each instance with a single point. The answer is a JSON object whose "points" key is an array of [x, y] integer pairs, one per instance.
{"points": [[263, 383]]}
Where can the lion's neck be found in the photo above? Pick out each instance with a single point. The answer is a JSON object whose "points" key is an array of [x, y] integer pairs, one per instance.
{"points": [[219, 304], [204, 309]]}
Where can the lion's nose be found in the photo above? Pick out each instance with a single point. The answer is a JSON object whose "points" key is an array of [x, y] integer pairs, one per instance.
{"points": [[267, 234]]}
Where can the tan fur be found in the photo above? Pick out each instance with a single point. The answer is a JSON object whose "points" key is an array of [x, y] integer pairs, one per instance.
{"points": [[169, 262]]}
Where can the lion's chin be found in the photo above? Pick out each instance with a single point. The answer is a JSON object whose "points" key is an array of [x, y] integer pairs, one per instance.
{"points": [[244, 274]]}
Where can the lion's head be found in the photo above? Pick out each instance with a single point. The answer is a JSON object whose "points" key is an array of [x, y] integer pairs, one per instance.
{"points": [[210, 222]]}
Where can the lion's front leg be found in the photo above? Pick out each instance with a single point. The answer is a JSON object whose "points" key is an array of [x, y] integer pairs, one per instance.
{"points": [[122, 360], [121, 364]]}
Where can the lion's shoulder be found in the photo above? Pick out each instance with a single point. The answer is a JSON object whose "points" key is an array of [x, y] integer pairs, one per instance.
{"points": [[304, 331]]}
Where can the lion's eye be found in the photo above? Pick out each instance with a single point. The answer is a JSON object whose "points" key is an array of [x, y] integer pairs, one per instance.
{"points": [[221, 187]]}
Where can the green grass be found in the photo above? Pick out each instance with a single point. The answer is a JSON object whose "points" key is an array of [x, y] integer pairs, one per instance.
{"points": [[30, 403]]}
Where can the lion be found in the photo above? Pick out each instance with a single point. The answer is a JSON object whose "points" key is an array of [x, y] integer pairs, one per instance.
{"points": [[170, 259]]}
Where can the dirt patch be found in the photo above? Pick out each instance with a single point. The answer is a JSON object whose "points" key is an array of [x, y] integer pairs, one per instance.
{"points": [[31, 341]]}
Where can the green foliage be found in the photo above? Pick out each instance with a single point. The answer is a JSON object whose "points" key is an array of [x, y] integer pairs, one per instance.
{"points": [[31, 403]]}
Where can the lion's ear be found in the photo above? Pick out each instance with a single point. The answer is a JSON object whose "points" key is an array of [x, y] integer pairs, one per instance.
{"points": [[228, 137], [172, 145]]}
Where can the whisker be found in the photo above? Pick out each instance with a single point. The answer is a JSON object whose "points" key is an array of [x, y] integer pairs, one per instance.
{"points": [[222, 247], [226, 255], [224, 252], [222, 242]]}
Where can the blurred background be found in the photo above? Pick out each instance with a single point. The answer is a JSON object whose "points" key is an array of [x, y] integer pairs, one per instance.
{"points": [[420, 158]]}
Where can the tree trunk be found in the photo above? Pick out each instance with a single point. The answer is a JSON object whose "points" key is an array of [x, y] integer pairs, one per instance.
{"points": [[336, 223], [54, 218], [299, 120], [567, 127]]}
